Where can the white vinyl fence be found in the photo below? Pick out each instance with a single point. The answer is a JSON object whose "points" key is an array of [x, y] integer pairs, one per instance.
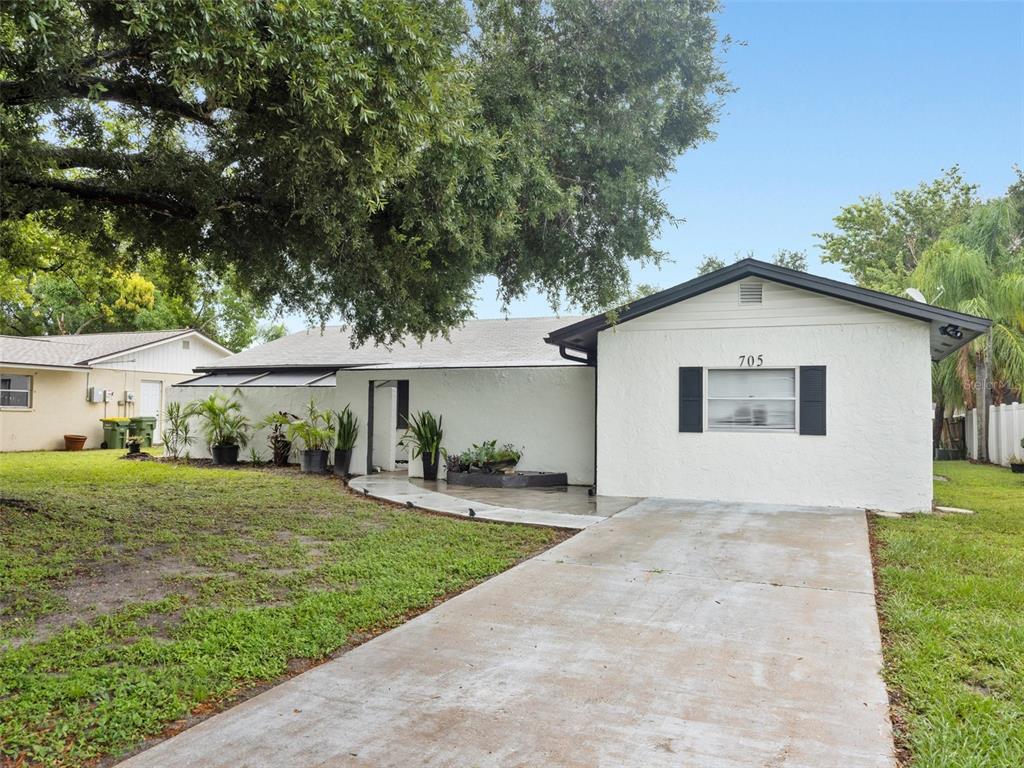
{"points": [[1005, 431]]}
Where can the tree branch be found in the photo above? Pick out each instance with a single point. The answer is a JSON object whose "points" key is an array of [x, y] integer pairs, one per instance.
{"points": [[90, 191], [81, 157], [137, 93]]}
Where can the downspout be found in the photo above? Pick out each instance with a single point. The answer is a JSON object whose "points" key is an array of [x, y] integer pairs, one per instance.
{"points": [[589, 360]]}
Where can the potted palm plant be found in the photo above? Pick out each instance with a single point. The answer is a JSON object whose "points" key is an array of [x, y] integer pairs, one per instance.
{"points": [[423, 436], [316, 433], [223, 425], [348, 432], [277, 437]]}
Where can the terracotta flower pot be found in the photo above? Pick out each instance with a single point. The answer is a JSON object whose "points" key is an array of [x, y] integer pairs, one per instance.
{"points": [[74, 442]]}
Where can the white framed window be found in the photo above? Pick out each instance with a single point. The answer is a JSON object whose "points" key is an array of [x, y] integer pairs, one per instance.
{"points": [[751, 400], [15, 390]]}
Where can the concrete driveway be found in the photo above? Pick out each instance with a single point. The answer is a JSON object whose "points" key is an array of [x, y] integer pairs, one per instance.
{"points": [[672, 634]]}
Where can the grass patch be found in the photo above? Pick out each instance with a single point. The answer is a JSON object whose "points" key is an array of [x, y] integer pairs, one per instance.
{"points": [[131, 593], [952, 606]]}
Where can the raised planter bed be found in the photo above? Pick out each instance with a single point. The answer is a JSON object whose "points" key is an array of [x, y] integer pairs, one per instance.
{"points": [[514, 480]]}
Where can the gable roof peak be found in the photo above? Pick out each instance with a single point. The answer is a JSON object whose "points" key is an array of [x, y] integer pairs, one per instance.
{"points": [[582, 336]]}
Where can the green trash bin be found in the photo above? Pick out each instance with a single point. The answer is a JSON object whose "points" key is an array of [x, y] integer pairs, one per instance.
{"points": [[115, 431], [143, 426]]}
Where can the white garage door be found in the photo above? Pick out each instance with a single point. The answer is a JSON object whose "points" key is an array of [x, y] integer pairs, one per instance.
{"points": [[150, 401]]}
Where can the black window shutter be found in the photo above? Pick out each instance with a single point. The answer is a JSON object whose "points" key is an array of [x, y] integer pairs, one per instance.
{"points": [[812, 399], [691, 399], [403, 403]]}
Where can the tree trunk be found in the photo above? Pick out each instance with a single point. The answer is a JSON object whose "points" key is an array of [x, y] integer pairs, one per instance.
{"points": [[940, 415], [982, 396]]}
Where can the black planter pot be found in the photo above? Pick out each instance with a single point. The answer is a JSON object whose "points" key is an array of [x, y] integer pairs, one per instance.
{"points": [[1017, 469], [342, 459], [314, 461], [430, 467], [224, 454]]}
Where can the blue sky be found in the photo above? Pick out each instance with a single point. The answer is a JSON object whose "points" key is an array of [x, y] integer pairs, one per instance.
{"points": [[836, 101]]}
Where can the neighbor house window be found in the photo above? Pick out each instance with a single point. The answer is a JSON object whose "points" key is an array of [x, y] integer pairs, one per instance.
{"points": [[15, 391], [752, 400]]}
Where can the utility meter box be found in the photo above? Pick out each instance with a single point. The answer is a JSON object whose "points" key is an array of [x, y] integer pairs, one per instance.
{"points": [[108, 396], [129, 396], [95, 395]]}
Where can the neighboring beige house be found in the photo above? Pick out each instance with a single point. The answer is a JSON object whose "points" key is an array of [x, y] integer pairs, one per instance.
{"points": [[51, 386]]}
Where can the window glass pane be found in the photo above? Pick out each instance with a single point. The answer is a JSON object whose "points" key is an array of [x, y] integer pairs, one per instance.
{"points": [[13, 399], [13, 381], [751, 414], [752, 383]]}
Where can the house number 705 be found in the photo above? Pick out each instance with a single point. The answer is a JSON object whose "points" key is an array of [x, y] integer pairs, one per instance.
{"points": [[750, 361]]}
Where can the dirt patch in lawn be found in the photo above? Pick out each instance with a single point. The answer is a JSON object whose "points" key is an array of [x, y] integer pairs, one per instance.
{"points": [[896, 698], [110, 586]]}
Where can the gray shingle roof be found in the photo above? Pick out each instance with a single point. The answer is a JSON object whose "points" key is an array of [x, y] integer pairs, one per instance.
{"points": [[477, 344], [76, 351]]}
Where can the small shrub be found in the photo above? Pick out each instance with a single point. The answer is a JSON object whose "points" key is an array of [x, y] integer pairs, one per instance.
{"points": [[277, 438], [177, 432], [488, 457]]}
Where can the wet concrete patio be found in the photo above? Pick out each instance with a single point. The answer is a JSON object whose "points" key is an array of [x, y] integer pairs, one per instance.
{"points": [[565, 507]]}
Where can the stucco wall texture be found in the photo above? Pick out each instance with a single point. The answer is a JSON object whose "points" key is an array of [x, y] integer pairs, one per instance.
{"points": [[548, 411], [876, 452]]}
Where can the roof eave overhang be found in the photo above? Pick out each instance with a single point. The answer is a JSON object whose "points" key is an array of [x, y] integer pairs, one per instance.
{"points": [[582, 336], [38, 366]]}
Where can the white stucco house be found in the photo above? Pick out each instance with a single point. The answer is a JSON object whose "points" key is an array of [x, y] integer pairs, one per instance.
{"points": [[752, 383], [56, 385]]}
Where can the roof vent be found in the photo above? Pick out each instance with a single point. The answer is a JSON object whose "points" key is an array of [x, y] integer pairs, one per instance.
{"points": [[751, 293]]}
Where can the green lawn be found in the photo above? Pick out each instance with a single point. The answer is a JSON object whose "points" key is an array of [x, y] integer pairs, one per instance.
{"points": [[133, 592], [952, 605]]}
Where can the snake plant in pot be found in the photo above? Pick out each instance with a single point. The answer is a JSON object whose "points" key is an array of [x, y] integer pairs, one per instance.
{"points": [[315, 432], [223, 425], [348, 432], [424, 436]]}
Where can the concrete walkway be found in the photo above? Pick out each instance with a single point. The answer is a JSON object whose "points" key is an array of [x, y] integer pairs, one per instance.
{"points": [[672, 634], [395, 487]]}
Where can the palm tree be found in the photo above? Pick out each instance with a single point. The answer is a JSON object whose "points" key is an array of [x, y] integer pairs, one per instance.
{"points": [[978, 268]]}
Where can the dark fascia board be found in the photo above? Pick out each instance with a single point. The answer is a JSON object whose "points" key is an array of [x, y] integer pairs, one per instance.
{"points": [[582, 336]]}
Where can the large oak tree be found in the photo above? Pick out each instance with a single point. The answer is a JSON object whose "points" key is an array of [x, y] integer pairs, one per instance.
{"points": [[364, 158]]}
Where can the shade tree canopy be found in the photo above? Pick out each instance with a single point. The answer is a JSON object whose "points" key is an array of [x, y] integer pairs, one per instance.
{"points": [[368, 160]]}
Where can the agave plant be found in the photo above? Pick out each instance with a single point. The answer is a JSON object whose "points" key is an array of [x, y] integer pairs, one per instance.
{"points": [[222, 422]]}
